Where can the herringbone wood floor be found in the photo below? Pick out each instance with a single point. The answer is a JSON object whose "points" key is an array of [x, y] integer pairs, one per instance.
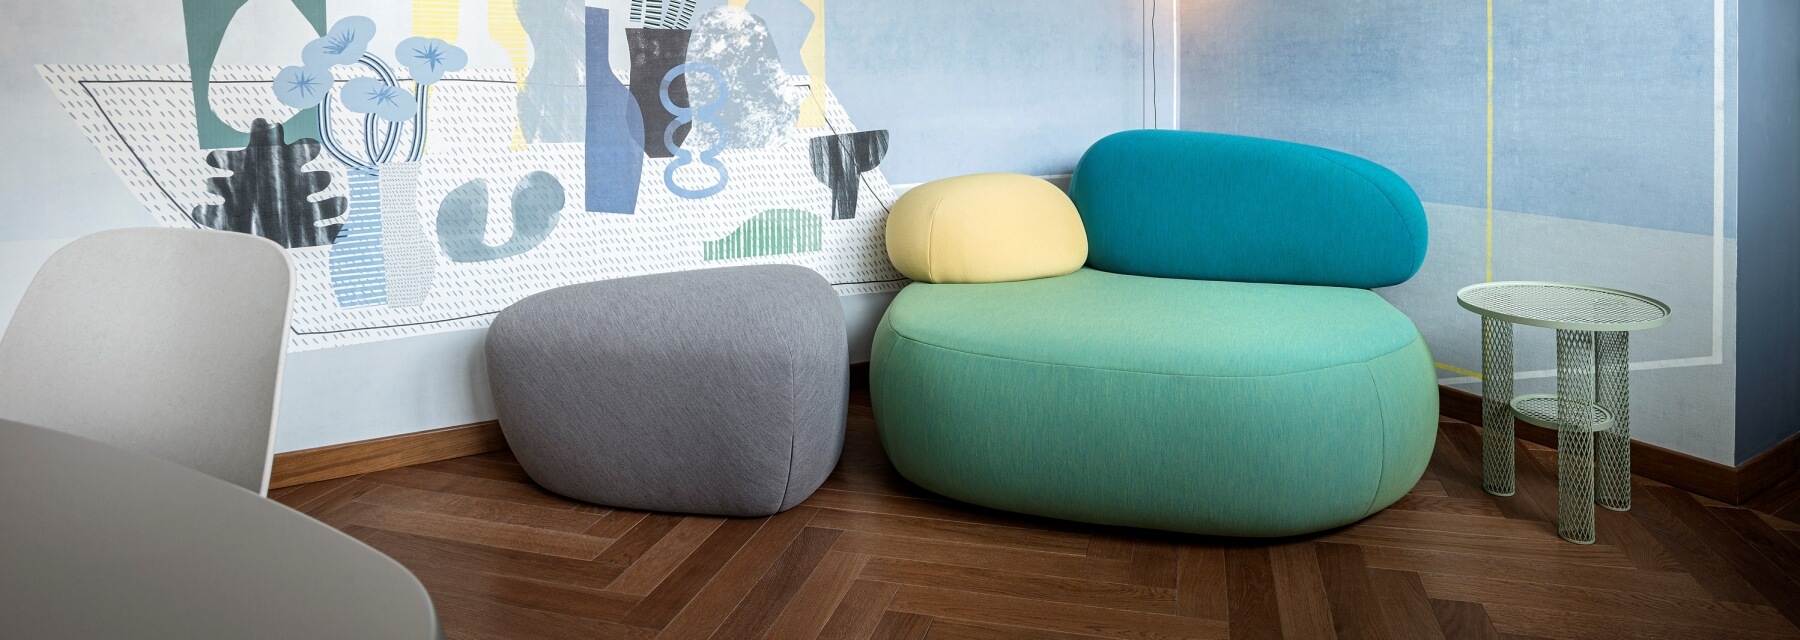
{"points": [[873, 556]]}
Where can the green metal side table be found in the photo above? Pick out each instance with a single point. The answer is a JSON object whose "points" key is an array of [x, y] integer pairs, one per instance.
{"points": [[1592, 405]]}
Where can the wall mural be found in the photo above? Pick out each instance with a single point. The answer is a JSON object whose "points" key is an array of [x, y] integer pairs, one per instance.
{"points": [[419, 194]]}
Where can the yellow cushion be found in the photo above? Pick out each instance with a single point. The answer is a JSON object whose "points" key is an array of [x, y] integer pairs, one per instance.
{"points": [[991, 227]]}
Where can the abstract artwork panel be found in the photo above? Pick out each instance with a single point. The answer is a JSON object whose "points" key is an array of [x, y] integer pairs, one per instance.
{"points": [[130, 113]]}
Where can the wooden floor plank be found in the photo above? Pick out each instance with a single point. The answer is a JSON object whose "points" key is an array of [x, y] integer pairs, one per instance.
{"points": [[615, 523], [937, 509], [759, 609], [1404, 605], [675, 591], [814, 603], [525, 593], [1418, 561], [1022, 585], [699, 616], [1778, 549], [479, 468], [1355, 607], [478, 617], [1764, 576], [1429, 488], [1050, 564], [859, 611], [1050, 616], [966, 630], [415, 478], [1550, 623], [493, 534], [479, 508], [1202, 583], [895, 625], [1254, 608], [642, 576], [1300, 590], [1546, 549], [298, 496], [1599, 599], [632, 546], [1446, 504], [1154, 563], [953, 531], [412, 549], [1461, 523], [1459, 476], [1463, 620]]}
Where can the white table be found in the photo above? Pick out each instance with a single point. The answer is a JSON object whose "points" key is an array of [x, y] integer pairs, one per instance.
{"points": [[1592, 405], [97, 542]]}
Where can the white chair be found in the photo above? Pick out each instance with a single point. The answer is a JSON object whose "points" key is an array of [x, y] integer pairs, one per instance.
{"points": [[167, 342]]}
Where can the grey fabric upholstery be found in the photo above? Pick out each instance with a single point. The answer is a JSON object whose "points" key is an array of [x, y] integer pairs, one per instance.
{"points": [[720, 392]]}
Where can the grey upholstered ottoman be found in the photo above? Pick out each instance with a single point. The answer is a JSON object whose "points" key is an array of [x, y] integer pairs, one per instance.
{"points": [[719, 392]]}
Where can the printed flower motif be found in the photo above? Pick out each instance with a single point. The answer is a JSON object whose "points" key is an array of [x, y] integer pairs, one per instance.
{"points": [[428, 59], [347, 41], [303, 87], [368, 95]]}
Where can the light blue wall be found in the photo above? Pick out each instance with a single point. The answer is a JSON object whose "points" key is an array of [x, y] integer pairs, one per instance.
{"points": [[1603, 167], [969, 87], [1769, 207], [1604, 113]]}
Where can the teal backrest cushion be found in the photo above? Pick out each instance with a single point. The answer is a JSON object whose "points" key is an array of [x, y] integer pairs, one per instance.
{"points": [[1207, 206]]}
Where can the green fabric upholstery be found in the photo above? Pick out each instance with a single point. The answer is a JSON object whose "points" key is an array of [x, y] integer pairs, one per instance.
{"points": [[1204, 206], [1205, 407], [1219, 368]]}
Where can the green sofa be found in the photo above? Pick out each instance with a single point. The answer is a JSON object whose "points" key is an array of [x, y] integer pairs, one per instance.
{"points": [[1218, 366]]}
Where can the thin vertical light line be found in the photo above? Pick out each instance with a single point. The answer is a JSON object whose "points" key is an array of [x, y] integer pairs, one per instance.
{"points": [[1490, 140], [1175, 65], [1719, 178]]}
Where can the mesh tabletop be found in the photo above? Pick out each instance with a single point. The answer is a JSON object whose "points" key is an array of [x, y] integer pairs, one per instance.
{"points": [[1541, 410], [1564, 306]]}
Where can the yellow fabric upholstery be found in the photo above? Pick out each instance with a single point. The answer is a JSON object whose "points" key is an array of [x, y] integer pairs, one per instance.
{"points": [[991, 227]]}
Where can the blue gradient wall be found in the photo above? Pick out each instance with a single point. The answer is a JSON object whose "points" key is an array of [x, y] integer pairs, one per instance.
{"points": [[1584, 141], [1769, 373]]}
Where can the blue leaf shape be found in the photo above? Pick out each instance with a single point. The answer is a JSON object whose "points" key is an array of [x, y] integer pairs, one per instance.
{"points": [[345, 43], [368, 95], [428, 59]]}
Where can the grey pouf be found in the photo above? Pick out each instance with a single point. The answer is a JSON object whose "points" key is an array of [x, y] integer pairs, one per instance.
{"points": [[719, 392]]}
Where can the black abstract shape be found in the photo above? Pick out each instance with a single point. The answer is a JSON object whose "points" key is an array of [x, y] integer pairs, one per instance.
{"points": [[840, 160], [266, 193], [537, 205], [653, 53]]}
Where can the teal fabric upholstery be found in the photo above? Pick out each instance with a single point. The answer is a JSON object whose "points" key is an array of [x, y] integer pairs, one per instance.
{"points": [[1221, 408], [1183, 204], [1220, 368]]}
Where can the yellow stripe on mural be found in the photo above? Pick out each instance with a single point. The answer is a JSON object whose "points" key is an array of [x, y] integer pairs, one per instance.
{"points": [[1490, 140], [505, 29], [436, 19], [812, 54]]}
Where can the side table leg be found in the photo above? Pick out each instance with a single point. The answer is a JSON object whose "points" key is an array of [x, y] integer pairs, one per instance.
{"points": [[1497, 471], [1574, 439], [1613, 360]]}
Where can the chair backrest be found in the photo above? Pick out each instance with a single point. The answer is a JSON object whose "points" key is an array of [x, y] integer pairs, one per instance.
{"points": [[1204, 206], [167, 342]]}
